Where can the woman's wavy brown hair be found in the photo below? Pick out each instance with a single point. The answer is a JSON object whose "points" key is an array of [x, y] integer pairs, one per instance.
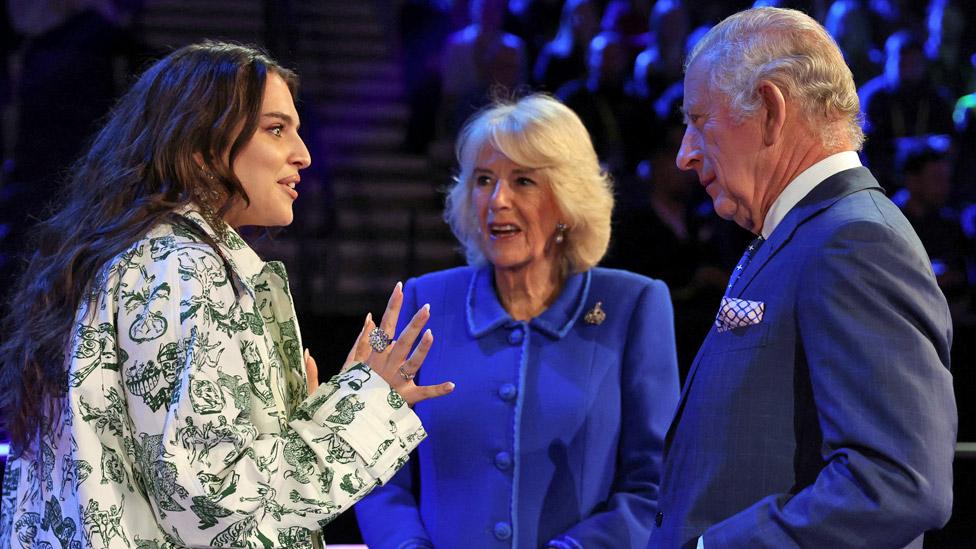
{"points": [[200, 102]]}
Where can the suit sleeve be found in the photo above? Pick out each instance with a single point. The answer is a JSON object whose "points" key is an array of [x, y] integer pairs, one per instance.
{"points": [[389, 518], [875, 334], [649, 390]]}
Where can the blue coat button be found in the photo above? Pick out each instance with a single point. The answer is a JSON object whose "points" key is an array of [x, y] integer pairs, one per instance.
{"points": [[507, 391], [516, 336], [503, 460], [503, 530]]}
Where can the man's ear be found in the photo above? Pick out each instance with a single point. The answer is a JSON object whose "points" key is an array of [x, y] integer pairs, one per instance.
{"points": [[774, 115]]}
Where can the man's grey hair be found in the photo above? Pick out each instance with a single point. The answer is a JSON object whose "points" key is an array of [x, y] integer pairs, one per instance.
{"points": [[792, 50]]}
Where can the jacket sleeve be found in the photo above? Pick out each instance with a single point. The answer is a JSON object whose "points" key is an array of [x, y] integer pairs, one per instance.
{"points": [[389, 517], [875, 333], [217, 460], [650, 389]]}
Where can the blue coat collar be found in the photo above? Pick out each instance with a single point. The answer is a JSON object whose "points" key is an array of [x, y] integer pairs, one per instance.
{"points": [[485, 311]]}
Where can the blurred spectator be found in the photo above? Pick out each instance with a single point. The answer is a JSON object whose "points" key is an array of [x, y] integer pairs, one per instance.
{"points": [[661, 64], [424, 27], [964, 117], [924, 165], [564, 58], [534, 21], [949, 43], [477, 59], [8, 43], [67, 82], [664, 235], [901, 102], [627, 19], [849, 22], [599, 99]]}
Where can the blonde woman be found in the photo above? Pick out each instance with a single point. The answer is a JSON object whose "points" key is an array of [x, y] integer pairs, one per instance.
{"points": [[566, 372]]}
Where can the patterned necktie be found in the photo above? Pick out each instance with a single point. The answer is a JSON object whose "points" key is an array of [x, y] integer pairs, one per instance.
{"points": [[744, 262]]}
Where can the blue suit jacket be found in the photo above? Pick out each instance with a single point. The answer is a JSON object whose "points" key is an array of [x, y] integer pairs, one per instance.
{"points": [[556, 428], [831, 423]]}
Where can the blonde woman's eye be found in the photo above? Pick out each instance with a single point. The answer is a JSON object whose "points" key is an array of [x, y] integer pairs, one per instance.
{"points": [[524, 181], [482, 180]]}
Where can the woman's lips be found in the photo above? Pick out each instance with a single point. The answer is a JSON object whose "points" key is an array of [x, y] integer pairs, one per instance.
{"points": [[289, 184], [498, 231]]}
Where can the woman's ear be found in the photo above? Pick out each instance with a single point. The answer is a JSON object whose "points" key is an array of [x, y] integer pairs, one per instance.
{"points": [[198, 158]]}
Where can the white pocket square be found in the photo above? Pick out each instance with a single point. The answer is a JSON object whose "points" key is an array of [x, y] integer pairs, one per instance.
{"points": [[735, 313]]}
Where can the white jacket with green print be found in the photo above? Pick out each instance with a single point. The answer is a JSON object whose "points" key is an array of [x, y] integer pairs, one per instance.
{"points": [[186, 421]]}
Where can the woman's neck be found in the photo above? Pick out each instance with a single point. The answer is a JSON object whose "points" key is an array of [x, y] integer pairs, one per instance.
{"points": [[526, 292]]}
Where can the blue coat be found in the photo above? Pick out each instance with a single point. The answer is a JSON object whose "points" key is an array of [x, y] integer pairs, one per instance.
{"points": [[832, 422], [556, 427]]}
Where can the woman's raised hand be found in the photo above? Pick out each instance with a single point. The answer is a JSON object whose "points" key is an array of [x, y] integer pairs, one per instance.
{"points": [[390, 361]]}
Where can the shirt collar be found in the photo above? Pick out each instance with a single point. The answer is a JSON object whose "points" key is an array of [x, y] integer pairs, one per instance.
{"points": [[804, 183], [485, 312], [242, 259]]}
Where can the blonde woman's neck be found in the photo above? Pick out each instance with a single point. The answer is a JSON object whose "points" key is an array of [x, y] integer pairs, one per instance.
{"points": [[525, 292]]}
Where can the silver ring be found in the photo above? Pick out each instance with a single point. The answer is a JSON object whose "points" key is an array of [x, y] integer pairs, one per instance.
{"points": [[379, 340], [405, 375]]}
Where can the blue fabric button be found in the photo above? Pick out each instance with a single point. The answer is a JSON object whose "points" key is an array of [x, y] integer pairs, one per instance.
{"points": [[503, 460], [516, 336], [507, 391], [503, 530]]}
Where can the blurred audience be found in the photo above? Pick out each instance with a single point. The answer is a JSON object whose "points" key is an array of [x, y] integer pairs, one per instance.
{"points": [[850, 23], [68, 52], [925, 168], [564, 58], [601, 101], [661, 64], [964, 118], [424, 27], [901, 102], [477, 59], [670, 220]]}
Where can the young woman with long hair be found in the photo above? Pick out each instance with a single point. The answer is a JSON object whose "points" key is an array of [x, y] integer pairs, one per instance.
{"points": [[152, 378]]}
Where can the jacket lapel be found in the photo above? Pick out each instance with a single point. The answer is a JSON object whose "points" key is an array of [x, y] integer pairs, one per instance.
{"points": [[819, 199], [823, 196]]}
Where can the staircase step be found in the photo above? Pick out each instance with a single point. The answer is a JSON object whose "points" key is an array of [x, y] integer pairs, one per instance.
{"points": [[352, 69], [386, 112], [312, 11], [344, 27], [402, 190], [379, 257], [378, 164], [364, 139], [385, 220]]}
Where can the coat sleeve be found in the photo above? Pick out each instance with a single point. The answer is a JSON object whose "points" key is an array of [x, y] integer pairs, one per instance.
{"points": [[218, 464], [875, 334], [649, 390], [389, 517]]}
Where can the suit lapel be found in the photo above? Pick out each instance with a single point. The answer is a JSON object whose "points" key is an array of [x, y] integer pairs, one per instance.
{"points": [[819, 199], [822, 196]]}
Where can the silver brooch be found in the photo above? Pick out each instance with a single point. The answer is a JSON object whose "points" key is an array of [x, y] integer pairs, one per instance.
{"points": [[595, 315]]}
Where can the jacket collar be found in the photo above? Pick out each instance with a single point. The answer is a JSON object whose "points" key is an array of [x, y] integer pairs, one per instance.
{"points": [[241, 259], [485, 312], [819, 199], [822, 196]]}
